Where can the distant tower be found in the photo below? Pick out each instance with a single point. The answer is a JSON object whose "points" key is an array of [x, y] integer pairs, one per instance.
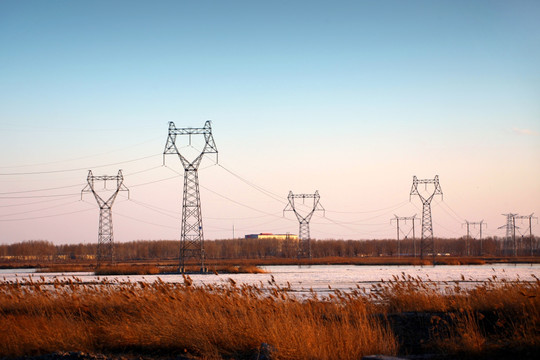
{"points": [[105, 246], [304, 243], [191, 238], [510, 232], [427, 242], [405, 218], [468, 238], [530, 217]]}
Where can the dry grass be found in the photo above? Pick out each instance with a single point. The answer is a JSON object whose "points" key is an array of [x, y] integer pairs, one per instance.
{"points": [[127, 270], [63, 268], [207, 322], [495, 315], [233, 321]]}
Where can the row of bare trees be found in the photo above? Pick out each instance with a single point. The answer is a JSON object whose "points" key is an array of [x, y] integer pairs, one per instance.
{"points": [[272, 248]]}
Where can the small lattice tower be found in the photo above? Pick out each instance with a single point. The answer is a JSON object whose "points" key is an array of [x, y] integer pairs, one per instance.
{"points": [[427, 242], [105, 246], [304, 242]]}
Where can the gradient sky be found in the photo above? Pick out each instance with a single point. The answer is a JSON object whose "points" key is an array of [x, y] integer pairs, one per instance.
{"points": [[350, 98]]}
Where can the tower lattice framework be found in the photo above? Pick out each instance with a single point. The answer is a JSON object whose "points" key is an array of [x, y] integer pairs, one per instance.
{"points": [[105, 246], [510, 239], [470, 237], [304, 238], [427, 242], [191, 232], [406, 234]]}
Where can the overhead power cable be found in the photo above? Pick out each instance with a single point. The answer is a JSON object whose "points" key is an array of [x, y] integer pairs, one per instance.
{"points": [[156, 209], [38, 196], [239, 203], [76, 169], [146, 222], [393, 207], [30, 203], [41, 209], [46, 216], [79, 158], [255, 186], [39, 190]]}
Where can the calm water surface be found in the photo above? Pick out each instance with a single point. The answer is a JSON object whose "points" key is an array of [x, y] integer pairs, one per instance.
{"points": [[320, 278]]}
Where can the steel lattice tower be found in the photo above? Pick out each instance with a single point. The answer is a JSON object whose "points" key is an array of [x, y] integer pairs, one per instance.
{"points": [[530, 217], [105, 246], [191, 237], [304, 243], [427, 242], [468, 238], [404, 218], [510, 232]]}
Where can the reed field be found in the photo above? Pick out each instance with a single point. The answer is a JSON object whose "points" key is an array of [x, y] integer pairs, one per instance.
{"points": [[234, 321]]}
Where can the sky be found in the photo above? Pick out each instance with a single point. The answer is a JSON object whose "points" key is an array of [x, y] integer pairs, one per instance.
{"points": [[348, 98]]}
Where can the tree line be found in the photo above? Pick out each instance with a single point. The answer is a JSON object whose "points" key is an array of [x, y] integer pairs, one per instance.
{"points": [[270, 248]]}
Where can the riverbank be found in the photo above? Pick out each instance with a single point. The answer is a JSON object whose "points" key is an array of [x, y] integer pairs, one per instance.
{"points": [[221, 265]]}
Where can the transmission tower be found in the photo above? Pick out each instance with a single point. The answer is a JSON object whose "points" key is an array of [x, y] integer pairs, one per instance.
{"points": [[105, 246], [427, 242], [474, 224], [530, 217], [304, 243], [191, 238], [510, 231], [405, 218]]}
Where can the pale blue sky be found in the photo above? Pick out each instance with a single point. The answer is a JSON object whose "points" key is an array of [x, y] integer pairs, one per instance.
{"points": [[351, 98]]}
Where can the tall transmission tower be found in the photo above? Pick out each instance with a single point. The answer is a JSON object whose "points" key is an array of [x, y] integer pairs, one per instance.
{"points": [[404, 218], [468, 238], [510, 232], [105, 246], [192, 237], [427, 242], [530, 217], [304, 243]]}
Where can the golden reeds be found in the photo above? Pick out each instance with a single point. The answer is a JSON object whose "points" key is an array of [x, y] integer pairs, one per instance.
{"points": [[241, 321]]}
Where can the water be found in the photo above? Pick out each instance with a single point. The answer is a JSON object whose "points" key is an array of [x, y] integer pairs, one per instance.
{"points": [[319, 278]]}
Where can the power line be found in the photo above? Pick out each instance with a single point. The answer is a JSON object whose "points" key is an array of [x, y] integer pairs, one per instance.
{"points": [[46, 216], [37, 196], [239, 203], [255, 186], [146, 222], [39, 190], [30, 203], [393, 207], [42, 209], [75, 169], [79, 158]]}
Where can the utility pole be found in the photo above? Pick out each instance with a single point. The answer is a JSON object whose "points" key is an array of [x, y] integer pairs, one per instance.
{"points": [[404, 218], [510, 230], [469, 223], [530, 217], [304, 243], [105, 246], [192, 237], [427, 242]]}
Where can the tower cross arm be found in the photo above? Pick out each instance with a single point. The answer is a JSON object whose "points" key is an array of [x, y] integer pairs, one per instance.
{"points": [[207, 129]]}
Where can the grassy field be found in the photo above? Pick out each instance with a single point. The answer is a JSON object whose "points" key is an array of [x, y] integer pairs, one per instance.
{"points": [[497, 319]]}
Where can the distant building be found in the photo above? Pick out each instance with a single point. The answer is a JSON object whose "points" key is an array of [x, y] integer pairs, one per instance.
{"points": [[272, 236]]}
